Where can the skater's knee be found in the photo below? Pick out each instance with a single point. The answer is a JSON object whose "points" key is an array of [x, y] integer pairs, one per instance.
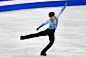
{"points": [[51, 42]]}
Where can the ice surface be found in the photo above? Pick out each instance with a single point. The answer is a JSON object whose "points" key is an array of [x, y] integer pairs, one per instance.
{"points": [[70, 36]]}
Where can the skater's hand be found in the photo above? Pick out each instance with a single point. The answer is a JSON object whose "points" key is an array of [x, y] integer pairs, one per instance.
{"points": [[37, 28], [66, 2]]}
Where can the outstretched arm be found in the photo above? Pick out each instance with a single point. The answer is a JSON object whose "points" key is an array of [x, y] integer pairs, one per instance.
{"points": [[62, 10], [43, 24]]}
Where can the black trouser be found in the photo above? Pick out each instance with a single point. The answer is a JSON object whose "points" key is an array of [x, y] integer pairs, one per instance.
{"points": [[49, 32]]}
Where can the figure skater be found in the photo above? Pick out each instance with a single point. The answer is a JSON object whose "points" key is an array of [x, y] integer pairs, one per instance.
{"points": [[53, 22]]}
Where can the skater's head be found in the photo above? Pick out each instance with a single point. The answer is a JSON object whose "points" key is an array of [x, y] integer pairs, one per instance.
{"points": [[52, 15]]}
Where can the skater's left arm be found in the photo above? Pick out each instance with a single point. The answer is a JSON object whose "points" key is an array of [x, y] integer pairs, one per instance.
{"points": [[43, 24], [62, 10]]}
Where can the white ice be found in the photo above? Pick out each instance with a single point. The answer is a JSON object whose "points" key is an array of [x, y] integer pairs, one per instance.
{"points": [[70, 35]]}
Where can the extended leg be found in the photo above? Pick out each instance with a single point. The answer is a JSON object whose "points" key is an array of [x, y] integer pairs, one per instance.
{"points": [[42, 33]]}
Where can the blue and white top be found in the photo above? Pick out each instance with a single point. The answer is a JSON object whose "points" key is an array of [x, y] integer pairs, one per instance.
{"points": [[52, 25]]}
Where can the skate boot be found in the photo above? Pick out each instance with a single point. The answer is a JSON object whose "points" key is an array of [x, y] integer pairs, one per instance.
{"points": [[22, 38], [43, 54]]}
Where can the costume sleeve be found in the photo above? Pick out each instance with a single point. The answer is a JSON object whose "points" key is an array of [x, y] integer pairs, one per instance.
{"points": [[61, 11], [44, 24]]}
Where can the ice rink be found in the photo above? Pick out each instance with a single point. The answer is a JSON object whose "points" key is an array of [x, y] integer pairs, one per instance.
{"points": [[70, 35]]}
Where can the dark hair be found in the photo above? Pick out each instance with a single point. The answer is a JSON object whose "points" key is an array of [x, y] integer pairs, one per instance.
{"points": [[51, 14]]}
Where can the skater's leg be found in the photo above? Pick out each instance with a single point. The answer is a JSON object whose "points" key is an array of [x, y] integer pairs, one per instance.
{"points": [[51, 39], [42, 33]]}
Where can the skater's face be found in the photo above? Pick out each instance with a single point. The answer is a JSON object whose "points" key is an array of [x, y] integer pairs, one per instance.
{"points": [[52, 17]]}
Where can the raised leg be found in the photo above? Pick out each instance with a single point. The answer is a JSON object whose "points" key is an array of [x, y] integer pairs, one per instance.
{"points": [[42, 33]]}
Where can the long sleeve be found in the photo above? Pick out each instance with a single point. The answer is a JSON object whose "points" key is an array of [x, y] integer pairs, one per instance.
{"points": [[61, 11], [44, 24]]}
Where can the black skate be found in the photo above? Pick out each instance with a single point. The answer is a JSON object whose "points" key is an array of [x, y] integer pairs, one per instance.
{"points": [[43, 54], [22, 38]]}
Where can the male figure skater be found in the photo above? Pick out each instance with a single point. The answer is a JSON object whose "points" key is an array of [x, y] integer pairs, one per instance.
{"points": [[53, 22]]}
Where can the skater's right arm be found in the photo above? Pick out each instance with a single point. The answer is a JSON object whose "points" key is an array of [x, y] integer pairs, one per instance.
{"points": [[43, 24]]}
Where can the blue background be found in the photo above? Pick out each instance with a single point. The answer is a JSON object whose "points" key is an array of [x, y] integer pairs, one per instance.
{"points": [[41, 5]]}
